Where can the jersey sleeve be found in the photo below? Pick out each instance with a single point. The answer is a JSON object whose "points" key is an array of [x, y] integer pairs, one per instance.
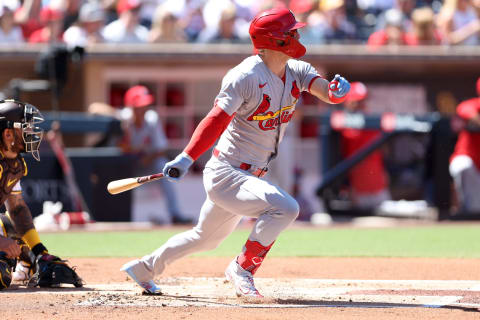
{"points": [[306, 74], [207, 132], [235, 90]]}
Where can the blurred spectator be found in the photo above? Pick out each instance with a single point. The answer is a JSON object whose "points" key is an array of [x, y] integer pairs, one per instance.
{"points": [[225, 32], [88, 28], [364, 21], [375, 6], [9, 31], [27, 16], [53, 30], [330, 24], [126, 29], [166, 27], [393, 34], [214, 9], [190, 15], [262, 5], [110, 7], [368, 180], [301, 7], [145, 139], [308, 11], [423, 31], [405, 7], [147, 12], [459, 22], [71, 10], [110, 138], [465, 160], [313, 17]]}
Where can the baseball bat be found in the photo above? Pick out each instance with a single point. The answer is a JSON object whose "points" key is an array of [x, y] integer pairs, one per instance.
{"points": [[122, 185]]}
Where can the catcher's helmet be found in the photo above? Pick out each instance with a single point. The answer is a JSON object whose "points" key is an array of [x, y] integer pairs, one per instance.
{"points": [[19, 115], [272, 29]]}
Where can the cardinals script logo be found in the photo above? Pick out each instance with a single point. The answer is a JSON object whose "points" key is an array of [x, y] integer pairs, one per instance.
{"points": [[269, 120]]}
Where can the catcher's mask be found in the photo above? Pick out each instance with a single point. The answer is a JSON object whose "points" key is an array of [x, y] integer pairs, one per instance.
{"points": [[276, 29], [24, 116]]}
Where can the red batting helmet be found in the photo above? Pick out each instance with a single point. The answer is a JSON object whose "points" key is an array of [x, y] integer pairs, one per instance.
{"points": [[271, 29]]}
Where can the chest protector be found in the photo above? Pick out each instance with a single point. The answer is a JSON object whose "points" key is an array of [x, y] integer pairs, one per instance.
{"points": [[11, 171]]}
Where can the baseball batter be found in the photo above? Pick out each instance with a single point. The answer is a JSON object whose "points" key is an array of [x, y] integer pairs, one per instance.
{"points": [[255, 104]]}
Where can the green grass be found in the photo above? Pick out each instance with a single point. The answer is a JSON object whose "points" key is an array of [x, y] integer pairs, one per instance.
{"points": [[457, 241]]}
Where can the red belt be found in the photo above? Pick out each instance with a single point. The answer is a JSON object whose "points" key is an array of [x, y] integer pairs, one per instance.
{"points": [[245, 166]]}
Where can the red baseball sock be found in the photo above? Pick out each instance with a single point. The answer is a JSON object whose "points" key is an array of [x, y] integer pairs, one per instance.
{"points": [[252, 256]]}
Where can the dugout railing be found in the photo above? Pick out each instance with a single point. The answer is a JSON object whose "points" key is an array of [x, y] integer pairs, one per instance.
{"points": [[436, 181]]}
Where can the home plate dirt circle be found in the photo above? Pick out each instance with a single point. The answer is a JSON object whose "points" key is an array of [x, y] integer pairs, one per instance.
{"points": [[290, 293]]}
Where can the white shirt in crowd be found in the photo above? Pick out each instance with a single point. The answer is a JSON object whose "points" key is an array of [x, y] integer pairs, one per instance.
{"points": [[151, 135], [462, 19], [116, 32], [76, 36], [14, 36]]}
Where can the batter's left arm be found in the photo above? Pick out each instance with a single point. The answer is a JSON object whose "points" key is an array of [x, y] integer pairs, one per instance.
{"points": [[319, 88], [334, 91], [19, 213]]}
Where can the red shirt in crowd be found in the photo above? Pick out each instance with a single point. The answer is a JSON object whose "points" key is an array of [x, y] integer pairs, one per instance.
{"points": [[380, 38], [411, 39], [29, 26], [369, 175], [41, 36], [468, 143]]}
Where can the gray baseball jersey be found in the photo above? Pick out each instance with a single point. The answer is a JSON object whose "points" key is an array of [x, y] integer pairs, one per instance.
{"points": [[261, 100]]}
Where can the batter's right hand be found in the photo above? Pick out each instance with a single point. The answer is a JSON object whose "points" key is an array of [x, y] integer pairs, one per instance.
{"points": [[10, 247], [182, 163]]}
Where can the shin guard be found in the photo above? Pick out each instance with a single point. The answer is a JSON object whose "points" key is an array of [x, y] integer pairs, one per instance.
{"points": [[252, 256]]}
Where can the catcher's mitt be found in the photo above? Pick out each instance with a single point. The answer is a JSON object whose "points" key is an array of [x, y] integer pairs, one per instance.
{"points": [[6, 266], [53, 271]]}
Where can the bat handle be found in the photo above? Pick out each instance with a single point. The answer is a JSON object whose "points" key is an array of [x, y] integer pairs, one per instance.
{"points": [[333, 85], [173, 172]]}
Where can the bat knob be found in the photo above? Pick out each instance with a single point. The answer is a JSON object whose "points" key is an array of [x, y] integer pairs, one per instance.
{"points": [[173, 172], [333, 86]]}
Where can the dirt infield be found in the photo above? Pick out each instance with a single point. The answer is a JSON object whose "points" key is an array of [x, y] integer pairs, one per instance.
{"points": [[298, 288]]}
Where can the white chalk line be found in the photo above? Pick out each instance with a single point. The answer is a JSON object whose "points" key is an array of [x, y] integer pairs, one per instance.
{"points": [[280, 293]]}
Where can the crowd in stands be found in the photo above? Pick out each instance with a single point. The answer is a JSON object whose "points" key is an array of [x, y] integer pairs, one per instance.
{"points": [[376, 22]]}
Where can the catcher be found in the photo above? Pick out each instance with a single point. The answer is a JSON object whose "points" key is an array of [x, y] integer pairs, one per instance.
{"points": [[19, 239]]}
